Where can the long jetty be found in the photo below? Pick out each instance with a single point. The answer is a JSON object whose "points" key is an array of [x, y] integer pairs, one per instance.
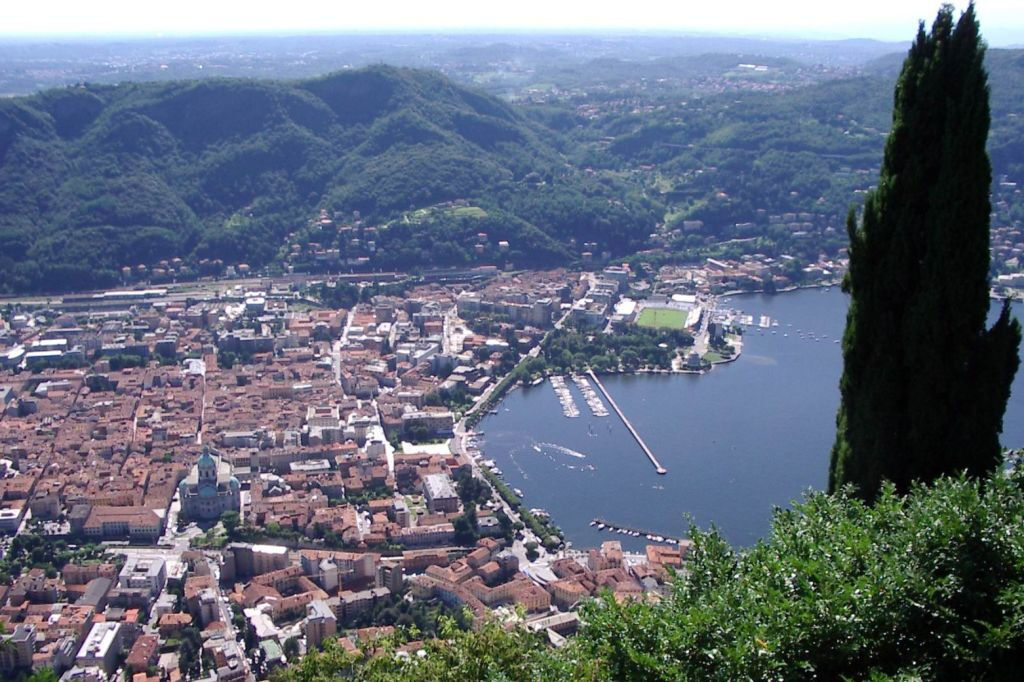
{"points": [[647, 534], [643, 446]]}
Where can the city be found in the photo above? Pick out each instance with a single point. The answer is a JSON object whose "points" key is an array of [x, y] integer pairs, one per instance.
{"points": [[234, 474]]}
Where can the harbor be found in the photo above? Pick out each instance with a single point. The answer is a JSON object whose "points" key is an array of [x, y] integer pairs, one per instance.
{"points": [[640, 441]]}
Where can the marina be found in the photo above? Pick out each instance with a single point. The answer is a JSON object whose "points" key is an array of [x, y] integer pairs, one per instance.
{"points": [[643, 446], [593, 401], [569, 408]]}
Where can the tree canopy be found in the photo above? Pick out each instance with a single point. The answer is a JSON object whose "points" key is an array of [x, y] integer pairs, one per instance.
{"points": [[925, 384]]}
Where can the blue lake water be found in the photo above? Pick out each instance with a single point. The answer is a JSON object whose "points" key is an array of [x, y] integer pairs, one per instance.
{"points": [[737, 441]]}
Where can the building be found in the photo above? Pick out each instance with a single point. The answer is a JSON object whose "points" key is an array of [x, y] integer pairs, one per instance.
{"points": [[17, 648], [143, 654], [242, 561], [148, 573], [391, 576], [352, 604], [102, 647], [121, 523], [320, 623], [432, 423], [209, 606], [440, 494], [209, 490]]}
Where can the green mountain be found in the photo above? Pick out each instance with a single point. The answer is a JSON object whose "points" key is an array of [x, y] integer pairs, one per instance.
{"points": [[95, 177], [731, 159]]}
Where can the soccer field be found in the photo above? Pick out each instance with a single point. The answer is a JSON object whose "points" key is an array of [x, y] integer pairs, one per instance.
{"points": [[665, 318]]}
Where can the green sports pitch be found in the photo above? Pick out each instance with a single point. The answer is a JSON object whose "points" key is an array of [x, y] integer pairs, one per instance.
{"points": [[663, 318]]}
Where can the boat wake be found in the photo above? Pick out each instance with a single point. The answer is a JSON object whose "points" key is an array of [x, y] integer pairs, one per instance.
{"points": [[564, 450]]}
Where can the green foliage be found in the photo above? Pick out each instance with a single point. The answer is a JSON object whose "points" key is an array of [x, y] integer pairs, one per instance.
{"points": [[190, 651], [291, 647], [490, 653], [42, 675], [370, 492], [925, 385], [472, 490], [119, 362], [841, 590], [338, 295], [568, 350], [230, 519], [466, 530], [29, 550]]}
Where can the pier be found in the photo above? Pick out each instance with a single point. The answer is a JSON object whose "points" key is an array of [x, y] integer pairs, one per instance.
{"points": [[643, 446], [636, 532]]}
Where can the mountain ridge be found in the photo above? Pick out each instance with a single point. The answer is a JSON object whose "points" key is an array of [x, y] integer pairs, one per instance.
{"points": [[183, 161]]}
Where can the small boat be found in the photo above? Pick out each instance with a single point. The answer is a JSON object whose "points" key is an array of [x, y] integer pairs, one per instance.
{"points": [[518, 492], [593, 523], [600, 526]]}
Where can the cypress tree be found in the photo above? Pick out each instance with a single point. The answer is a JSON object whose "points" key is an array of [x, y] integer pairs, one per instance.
{"points": [[924, 383]]}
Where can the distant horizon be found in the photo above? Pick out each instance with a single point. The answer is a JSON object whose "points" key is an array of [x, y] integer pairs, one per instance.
{"points": [[497, 32], [1002, 21], [70, 39]]}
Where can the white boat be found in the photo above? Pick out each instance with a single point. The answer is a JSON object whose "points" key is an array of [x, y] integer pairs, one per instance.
{"points": [[518, 492], [600, 526]]}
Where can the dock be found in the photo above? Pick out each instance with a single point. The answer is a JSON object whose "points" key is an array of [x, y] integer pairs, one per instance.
{"points": [[569, 408], [640, 441], [597, 408], [636, 532]]}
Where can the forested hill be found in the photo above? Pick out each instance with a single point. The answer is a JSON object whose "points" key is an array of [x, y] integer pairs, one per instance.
{"points": [[96, 177]]}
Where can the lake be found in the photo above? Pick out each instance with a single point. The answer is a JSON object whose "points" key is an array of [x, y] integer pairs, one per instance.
{"points": [[737, 441]]}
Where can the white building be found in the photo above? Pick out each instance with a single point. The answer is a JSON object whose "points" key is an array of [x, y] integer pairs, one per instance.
{"points": [[141, 572], [102, 647]]}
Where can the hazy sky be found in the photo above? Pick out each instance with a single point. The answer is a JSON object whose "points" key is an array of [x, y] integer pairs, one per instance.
{"points": [[1002, 21]]}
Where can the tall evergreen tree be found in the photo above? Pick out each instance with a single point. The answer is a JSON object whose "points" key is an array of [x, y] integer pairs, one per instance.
{"points": [[924, 383]]}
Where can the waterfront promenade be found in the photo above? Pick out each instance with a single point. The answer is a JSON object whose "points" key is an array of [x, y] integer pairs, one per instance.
{"points": [[640, 441]]}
